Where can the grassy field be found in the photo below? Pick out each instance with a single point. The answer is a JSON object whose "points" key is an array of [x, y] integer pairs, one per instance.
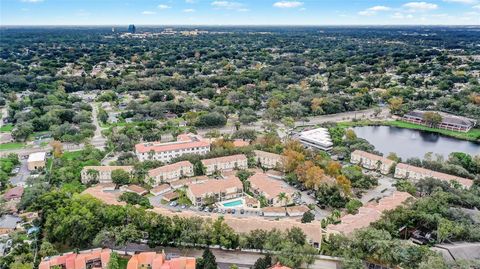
{"points": [[6, 128], [472, 135], [72, 155], [12, 145]]}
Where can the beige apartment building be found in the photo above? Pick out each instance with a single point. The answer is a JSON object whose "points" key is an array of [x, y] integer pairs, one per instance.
{"points": [[222, 189], [371, 161], [171, 172], [269, 160], [227, 163], [104, 173], [416, 173]]}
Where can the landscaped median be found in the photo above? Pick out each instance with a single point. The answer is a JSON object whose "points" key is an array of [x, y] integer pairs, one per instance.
{"points": [[472, 135]]}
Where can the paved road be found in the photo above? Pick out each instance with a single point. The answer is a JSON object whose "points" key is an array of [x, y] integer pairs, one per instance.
{"points": [[21, 177], [346, 116], [225, 258]]}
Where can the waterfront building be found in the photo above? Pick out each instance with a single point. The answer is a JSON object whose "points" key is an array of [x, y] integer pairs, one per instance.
{"points": [[316, 139], [371, 161], [449, 121], [415, 173]]}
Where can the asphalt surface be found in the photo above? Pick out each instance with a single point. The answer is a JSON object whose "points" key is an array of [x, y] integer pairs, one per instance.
{"points": [[20, 178]]}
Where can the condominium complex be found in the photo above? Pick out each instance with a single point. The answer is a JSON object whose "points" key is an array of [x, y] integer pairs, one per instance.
{"points": [[416, 173], [317, 139], [155, 260], [92, 258], [268, 160], [102, 174], [371, 161], [227, 163], [165, 152], [171, 172], [449, 122], [263, 185], [220, 189]]}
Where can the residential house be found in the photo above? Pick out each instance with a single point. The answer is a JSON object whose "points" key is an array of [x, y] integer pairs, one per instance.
{"points": [[274, 211], [8, 223], [263, 185], [227, 163], [221, 189], [160, 189], [268, 160], [187, 181], [13, 194], [371, 161], [36, 161], [171, 172], [165, 152], [297, 211], [155, 260], [103, 174], [92, 258], [134, 189], [415, 173]]}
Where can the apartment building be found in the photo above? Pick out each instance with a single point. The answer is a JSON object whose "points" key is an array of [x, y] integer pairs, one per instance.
{"points": [[316, 139], [171, 172], [102, 174], [416, 173], [371, 161], [449, 121], [92, 258], [268, 160], [227, 163], [155, 260], [221, 189], [263, 185], [165, 152]]}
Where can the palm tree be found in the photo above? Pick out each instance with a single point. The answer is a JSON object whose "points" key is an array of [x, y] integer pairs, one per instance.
{"points": [[283, 197]]}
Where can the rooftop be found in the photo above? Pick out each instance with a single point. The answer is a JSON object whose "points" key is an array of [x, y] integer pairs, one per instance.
{"points": [[13, 193], [369, 213], [371, 156], [160, 188], [37, 157], [226, 159], [269, 186], [184, 141], [266, 154], [319, 135], [446, 118], [169, 168], [215, 186], [77, 261], [441, 176], [155, 260], [109, 168], [9, 221]]}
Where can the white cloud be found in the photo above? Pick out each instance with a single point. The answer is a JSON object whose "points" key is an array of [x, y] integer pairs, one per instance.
{"points": [[476, 7], [399, 15], [32, 1], [190, 1], [420, 6], [189, 10], [162, 6], [146, 12], [373, 10], [228, 5], [288, 4], [462, 1]]}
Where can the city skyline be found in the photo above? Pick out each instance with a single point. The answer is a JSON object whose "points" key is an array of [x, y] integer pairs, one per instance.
{"points": [[241, 12]]}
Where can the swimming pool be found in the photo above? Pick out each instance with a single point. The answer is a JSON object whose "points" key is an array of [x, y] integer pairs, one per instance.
{"points": [[233, 203]]}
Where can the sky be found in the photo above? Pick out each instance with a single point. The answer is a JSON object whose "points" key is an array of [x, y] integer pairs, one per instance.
{"points": [[239, 12]]}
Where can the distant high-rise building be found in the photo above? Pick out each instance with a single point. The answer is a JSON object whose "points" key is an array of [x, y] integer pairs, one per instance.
{"points": [[131, 28], [113, 29]]}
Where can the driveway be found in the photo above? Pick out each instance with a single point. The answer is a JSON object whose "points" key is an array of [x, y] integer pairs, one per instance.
{"points": [[20, 178], [385, 188]]}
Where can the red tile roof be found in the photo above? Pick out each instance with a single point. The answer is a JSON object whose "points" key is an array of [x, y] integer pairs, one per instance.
{"points": [[215, 186], [184, 141], [170, 167], [438, 175], [13, 193], [158, 261], [269, 186], [226, 159], [369, 213], [77, 261]]}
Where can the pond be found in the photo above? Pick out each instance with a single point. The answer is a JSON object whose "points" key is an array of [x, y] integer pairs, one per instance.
{"points": [[408, 143]]}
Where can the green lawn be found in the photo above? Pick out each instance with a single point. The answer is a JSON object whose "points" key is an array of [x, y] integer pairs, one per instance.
{"points": [[12, 145], [123, 263], [72, 155], [473, 134], [6, 128]]}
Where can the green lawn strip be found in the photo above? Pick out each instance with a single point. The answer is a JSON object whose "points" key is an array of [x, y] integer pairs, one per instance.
{"points": [[12, 145], [473, 134], [6, 128], [72, 155]]}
